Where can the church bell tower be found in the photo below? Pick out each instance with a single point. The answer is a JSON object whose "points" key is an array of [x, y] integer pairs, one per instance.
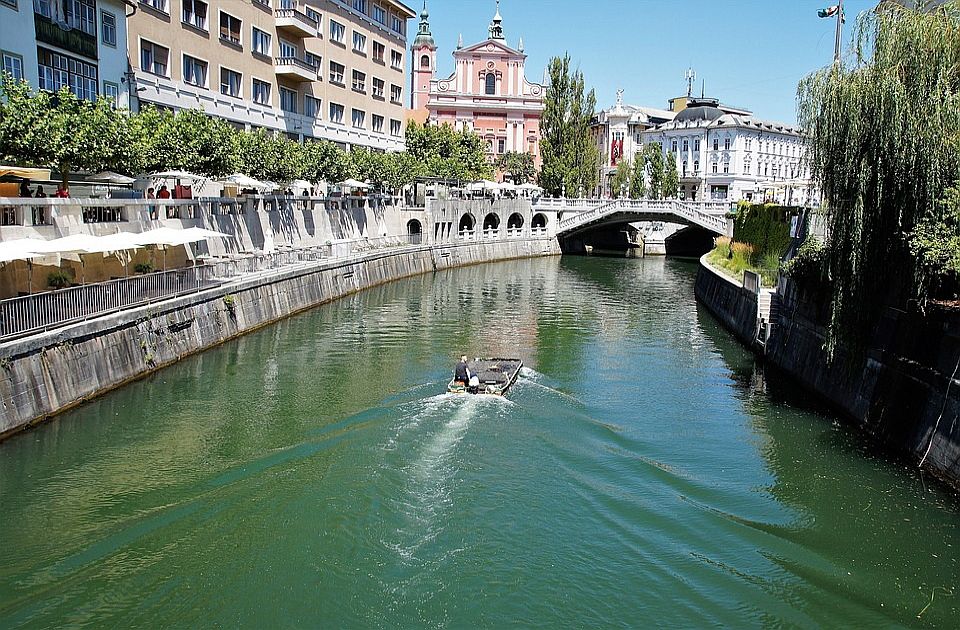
{"points": [[423, 62]]}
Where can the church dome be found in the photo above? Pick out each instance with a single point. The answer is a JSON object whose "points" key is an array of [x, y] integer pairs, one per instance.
{"points": [[700, 109]]}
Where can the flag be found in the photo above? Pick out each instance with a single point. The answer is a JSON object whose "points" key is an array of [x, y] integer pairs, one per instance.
{"points": [[829, 11]]}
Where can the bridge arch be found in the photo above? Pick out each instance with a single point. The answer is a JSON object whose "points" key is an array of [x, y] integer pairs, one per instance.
{"points": [[515, 221], [539, 221], [467, 223], [491, 221]]}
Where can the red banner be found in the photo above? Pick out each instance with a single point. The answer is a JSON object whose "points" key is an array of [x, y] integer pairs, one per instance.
{"points": [[616, 151]]}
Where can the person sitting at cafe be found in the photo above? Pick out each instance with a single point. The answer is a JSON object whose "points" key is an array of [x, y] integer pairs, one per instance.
{"points": [[40, 194], [24, 190], [62, 192], [164, 192]]}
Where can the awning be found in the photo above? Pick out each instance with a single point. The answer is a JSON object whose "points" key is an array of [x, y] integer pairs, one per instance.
{"points": [[19, 249], [40, 174], [172, 236]]}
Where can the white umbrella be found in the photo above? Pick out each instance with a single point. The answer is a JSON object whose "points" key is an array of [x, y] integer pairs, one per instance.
{"points": [[245, 181], [74, 244], [111, 178], [175, 175], [528, 187], [352, 183], [171, 236], [20, 249]]}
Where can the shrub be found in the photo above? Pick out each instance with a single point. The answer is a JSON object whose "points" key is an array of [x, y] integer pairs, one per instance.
{"points": [[143, 267], [58, 279], [808, 266]]}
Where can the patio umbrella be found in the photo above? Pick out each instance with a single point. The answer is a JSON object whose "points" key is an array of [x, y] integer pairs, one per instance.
{"points": [[175, 175], [110, 177], [245, 181], [173, 237], [21, 249], [74, 244], [353, 183]]}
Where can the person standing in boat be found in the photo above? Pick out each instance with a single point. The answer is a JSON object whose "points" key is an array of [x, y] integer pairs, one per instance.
{"points": [[462, 373]]}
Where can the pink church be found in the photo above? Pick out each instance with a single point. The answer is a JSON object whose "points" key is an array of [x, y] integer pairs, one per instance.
{"points": [[487, 92]]}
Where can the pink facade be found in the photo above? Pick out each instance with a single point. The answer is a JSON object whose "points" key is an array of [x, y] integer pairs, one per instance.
{"points": [[488, 91]]}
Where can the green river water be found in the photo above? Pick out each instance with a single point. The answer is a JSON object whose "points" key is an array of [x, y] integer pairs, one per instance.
{"points": [[643, 472]]}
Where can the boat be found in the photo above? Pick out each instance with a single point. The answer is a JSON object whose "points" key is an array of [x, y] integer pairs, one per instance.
{"points": [[490, 377]]}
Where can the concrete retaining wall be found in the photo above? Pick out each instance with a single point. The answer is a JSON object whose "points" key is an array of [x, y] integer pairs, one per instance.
{"points": [[901, 395], [733, 305], [49, 373]]}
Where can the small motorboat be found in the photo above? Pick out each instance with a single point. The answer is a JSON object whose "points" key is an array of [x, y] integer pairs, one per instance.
{"points": [[488, 376]]}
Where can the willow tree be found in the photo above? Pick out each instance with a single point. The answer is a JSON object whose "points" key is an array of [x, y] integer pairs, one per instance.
{"points": [[883, 132]]}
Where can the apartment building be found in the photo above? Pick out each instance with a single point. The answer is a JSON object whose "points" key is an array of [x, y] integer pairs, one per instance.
{"points": [[78, 44], [315, 69]]}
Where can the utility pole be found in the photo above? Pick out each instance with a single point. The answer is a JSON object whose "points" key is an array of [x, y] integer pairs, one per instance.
{"points": [[836, 48]]}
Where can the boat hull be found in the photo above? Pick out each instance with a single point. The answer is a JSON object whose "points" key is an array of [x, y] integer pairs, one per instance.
{"points": [[495, 377]]}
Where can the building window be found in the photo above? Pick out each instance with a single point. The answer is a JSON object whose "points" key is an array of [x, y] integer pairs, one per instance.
{"points": [[396, 93], [696, 144], [397, 24], [378, 51], [726, 144], [261, 92], [230, 28], [314, 60], [336, 113], [746, 168], [673, 146], [747, 144], [266, 3], [154, 58], [81, 15], [359, 118], [287, 50], [396, 60], [377, 123], [501, 145], [194, 71], [684, 168], [288, 100], [159, 5], [311, 107], [314, 15], [713, 167], [696, 166], [195, 14], [360, 5], [108, 29], [716, 144], [13, 65], [359, 82], [379, 14], [490, 84], [686, 145], [359, 42], [111, 91], [378, 87], [230, 82], [336, 73], [337, 31], [394, 127], [261, 42], [726, 167], [57, 71]]}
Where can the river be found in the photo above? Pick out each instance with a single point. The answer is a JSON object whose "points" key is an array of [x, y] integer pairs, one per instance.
{"points": [[643, 471]]}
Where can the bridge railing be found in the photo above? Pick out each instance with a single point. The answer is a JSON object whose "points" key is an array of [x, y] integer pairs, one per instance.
{"points": [[709, 214]]}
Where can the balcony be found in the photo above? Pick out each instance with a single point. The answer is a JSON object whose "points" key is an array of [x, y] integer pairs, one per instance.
{"points": [[295, 23], [295, 68]]}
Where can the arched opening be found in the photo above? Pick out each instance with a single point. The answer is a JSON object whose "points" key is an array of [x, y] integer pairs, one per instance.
{"points": [[425, 61], [515, 222], [539, 221], [414, 231], [466, 226], [491, 86], [491, 221]]}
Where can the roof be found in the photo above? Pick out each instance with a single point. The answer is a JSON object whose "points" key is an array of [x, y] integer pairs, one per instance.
{"points": [[726, 120]]}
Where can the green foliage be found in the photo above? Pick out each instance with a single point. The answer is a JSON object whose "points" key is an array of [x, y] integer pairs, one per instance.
{"points": [[935, 243], [808, 265], [638, 179], [445, 153], [653, 155], [620, 182], [570, 156], [766, 227], [884, 133], [519, 165], [731, 258], [143, 267], [58, 279], [671, 178], [325, 161], [267, 156]]}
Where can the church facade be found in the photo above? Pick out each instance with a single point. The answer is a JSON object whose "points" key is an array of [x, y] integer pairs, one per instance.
{"points": [[487, 93]]}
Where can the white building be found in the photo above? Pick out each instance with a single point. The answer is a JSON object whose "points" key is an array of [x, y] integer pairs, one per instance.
{"points": [[725, 155], [80, 44], [618, 134]]}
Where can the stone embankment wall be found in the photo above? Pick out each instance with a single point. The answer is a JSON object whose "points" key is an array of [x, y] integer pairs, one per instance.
{"points": [[906, 395], [51, 372]]}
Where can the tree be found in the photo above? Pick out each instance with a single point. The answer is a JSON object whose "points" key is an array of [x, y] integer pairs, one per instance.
{"points": [[60, 131], [671, 179], [519, 165], [445, 153], [619, 184], [653, 153], [268, 156], [883, 133], [571, 159], [325, 161], [638, 179]]}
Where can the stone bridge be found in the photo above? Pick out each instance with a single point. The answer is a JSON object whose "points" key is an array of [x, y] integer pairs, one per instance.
{"points": [[709, 216]]}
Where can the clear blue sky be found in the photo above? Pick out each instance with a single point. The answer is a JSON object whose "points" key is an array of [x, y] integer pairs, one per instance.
{"points": [[751, 53]]}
